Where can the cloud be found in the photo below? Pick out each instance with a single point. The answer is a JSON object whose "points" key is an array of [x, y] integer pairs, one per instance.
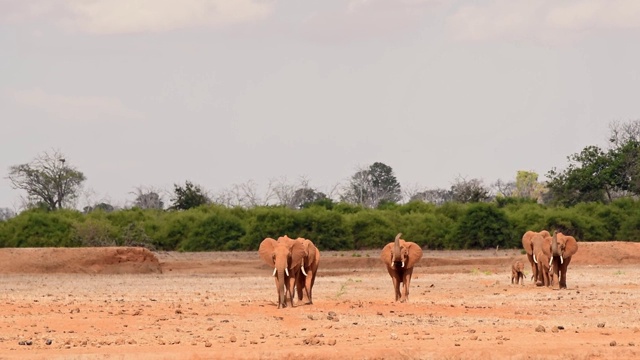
{"points": [[547, 20], [136, 16], [74, 108]]}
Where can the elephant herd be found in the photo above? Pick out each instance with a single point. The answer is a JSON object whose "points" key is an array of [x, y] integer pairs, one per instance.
{"points": [[549, 256], [295, 263]]}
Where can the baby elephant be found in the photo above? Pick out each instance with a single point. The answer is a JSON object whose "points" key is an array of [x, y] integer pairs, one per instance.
{"points": [[517, 272]]}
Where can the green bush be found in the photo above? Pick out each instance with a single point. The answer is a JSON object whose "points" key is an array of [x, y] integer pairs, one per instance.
{"points": [[482, 226], [41, 228]]}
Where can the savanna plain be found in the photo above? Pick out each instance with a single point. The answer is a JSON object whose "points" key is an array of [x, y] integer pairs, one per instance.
{"points": [[130, 303]]}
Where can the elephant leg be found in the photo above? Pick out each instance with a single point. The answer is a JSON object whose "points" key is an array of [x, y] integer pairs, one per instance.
{"points": [[563, 275], [534, 268], [396, 285], [300, 286], [308, 284], [292, 284], [281, 295], [406, 281]]}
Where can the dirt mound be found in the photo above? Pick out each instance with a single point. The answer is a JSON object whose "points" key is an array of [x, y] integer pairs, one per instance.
{"points": [[607, 253], [107, 260]]}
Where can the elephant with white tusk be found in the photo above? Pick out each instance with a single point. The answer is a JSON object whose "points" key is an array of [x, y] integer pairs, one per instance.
{"points": [[560, 251], [285, 256], [400, 257], [527, 244], [307, 276]]}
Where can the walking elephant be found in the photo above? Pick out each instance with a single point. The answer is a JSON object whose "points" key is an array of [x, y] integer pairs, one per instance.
{"points": [[541, 246], [560, 251], [308, 271], [527, 244], [400, 257], [285, 256]]}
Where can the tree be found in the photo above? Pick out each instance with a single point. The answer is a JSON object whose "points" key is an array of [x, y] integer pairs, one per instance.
{"points": [[504, 188], [148, 199], [623, 132], [101, 206], [188, 197], [48, 179], [596, 175], [469, 191], [6, 214], [433, 196], [368, 187]]}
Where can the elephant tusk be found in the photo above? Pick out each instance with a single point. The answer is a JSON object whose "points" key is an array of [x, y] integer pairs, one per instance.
{"points": [[286, 271], [275, 270], [550, 261], [561, 260], [403, 264], [304, 272], [534, 259]]}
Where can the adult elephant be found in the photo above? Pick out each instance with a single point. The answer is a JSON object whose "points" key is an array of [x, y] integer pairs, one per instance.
{"points": [[285, 256], [562, 248], [527, 244], [541, 258], [400, 257], [308, 271]]}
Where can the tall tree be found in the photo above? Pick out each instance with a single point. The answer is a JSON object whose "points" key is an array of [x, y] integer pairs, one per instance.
{"points": [[469, 191], [48, 180], [368, 187], [188, 197], [148, 199]]}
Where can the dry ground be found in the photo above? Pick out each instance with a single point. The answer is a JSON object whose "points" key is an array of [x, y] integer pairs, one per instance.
{"points": [[114, 303]]}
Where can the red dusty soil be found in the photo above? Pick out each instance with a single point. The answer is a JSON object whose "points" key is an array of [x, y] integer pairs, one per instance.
{"points": [[129, 303]]}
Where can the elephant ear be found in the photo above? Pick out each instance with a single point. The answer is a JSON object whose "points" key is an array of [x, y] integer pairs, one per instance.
{"points": [[386, 254], [527, 244], [415, 253], [267, 247], [297, 253], [571, 246], [311, 252]]}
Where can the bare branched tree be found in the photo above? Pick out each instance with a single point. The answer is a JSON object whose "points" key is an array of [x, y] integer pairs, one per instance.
{"points": [[6, 214], [148, 198], [242, 195], [504, 188], [622, 132], [472, 190], [433, 196], [48, 180]]}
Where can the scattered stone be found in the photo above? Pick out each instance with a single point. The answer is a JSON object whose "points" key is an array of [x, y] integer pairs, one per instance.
{"points": [[600, 325], [554, 329], [253, 342], [456, 344], [178, 311], [331, 342], [48, 342], [310, 317], [210, 328], [233, 338], [394, 336], [474, 337], [540, 328], [208, 344], [332, 313], [560, 327], [632, 343], [613, 343]]}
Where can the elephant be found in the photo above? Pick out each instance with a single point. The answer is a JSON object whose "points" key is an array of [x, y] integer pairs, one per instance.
{"points": [[528, 247], [307, 275], [560, 251], [517, 272], [400, 257], [540, 257], [285, 256]]}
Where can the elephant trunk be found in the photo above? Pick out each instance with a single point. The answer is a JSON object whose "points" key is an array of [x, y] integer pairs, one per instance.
{"points": [[282, 299], [554, 247], [396, 248]]}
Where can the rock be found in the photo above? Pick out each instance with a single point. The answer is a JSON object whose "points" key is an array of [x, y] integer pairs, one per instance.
{"points": [[600, 325], [540, 328], [394, 336], [331, 342], [48, 342], [332, 313], [554, 329], [613, 343], [208, 344], [233, 338]]}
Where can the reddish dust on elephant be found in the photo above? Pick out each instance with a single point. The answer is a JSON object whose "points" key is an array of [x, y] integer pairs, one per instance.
{"points": [[135, 304]]}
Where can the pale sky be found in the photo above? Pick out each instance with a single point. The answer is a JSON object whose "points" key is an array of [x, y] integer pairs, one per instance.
{"points": [[220, 92]]}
